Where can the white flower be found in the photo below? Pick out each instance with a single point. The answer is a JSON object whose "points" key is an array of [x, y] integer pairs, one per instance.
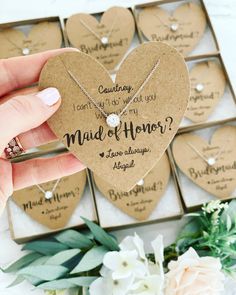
{"points": [[214, 205], [150, 285], [124, 264], [134, 243], [194, 275], [158, 248], [128, 271], [106, 285]]}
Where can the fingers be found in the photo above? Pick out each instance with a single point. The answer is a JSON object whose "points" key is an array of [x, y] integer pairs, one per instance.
{"points": [[37, 171], [20, 175], [23, 113], [37, 136], [18, 72], [23, 91], [6, 185]]}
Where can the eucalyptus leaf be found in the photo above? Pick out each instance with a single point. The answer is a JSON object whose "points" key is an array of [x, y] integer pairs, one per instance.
{"points": [[33, 280], [101, 236], [91, 259], [22, 262], [18, 280], [44, 272], [40, 261], [45, 247], [67, 283], [62, 257], [74, 239]]}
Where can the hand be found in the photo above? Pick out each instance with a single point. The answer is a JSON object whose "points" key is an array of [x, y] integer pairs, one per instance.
{"points": [[23, 114]]}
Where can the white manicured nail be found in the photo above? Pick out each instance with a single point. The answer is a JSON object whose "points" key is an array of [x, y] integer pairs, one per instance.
{"points": [[49, 96]]}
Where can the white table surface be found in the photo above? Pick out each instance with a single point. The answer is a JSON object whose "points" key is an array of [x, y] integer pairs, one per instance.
{"points": [[223, 15]]}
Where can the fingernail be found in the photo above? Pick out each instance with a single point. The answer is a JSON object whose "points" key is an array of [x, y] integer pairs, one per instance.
{"points": [[49, 96]]}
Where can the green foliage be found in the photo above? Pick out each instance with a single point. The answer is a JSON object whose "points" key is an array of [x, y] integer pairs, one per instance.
{"points": [[68, 260], [212, 232], [22, 262], [101, 236], [72, 260], [62, 257], [67, 283], [44, 272], [45, 247], [74, 239], [91, 259]]}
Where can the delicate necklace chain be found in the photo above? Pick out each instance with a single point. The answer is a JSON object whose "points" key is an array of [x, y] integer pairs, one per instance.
{"points": [[106, 115], [103, 39], [211, 160], [86, 93], [173, 27], [23, 50], [49, 193], [10, 41], [197, 151], [141, 87]]}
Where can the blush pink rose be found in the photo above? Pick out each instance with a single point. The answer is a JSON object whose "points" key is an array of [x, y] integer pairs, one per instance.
{"points": [[194, 275]]}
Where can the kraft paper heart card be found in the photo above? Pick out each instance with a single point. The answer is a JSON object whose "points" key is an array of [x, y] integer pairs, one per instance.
{"points": [[107, 39], [29, 39], [208, 160], [144, 197], [119, 129], [212, 97], [207, 87], [52, 203], [154, 198], [50, 206], [181, 24]]}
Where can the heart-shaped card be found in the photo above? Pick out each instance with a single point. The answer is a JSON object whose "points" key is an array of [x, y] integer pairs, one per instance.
{"points": [[43, 36], [107, 40], [182, 29], [144, 197], [56, 211], [208, 83], [154, 76], [211, 165]]}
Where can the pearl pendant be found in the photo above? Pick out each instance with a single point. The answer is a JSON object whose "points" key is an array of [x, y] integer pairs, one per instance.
{"points": [[211, 161], [25, 51], [48, 195], [199, 87], [140, 182], [104, 40], [174, 27], [113, 120]]}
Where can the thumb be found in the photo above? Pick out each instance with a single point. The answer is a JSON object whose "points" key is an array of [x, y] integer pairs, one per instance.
{"points": [[22, 113]]}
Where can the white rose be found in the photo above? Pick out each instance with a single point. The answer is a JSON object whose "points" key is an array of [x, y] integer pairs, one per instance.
{"points": [[194, 275]]}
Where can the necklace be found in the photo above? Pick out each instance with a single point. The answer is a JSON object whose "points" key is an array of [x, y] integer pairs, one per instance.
{"points": [[211, 160], [49, 194], [140, 182], [113, 119], [103, 39], [172, 27], [23, 51], [199, 87]]}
